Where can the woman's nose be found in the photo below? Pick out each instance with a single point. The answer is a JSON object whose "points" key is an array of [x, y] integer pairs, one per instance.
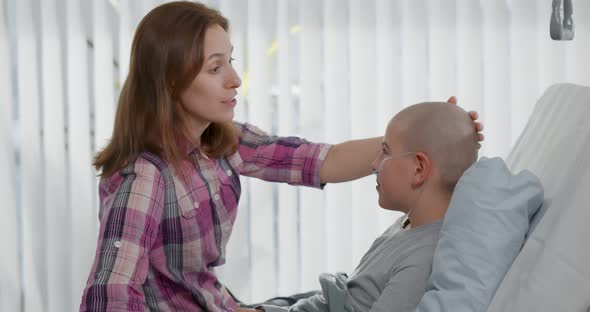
{"points": [[234, 81]]}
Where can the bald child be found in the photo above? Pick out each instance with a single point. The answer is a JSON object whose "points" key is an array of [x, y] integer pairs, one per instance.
{"points": [[426, 149]]}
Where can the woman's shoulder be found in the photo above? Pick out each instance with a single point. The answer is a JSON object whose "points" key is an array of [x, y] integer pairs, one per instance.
{"points": [[247, 129], [145, 166]]}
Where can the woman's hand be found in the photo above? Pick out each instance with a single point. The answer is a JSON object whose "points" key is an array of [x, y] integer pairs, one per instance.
{"points": [[474, 115]]}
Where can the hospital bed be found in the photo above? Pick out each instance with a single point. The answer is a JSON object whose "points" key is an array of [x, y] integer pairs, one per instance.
{"points": [[552, 271]]}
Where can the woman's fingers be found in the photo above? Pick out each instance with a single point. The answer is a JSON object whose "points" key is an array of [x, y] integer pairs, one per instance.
{"points": [[478, 126], [452, 100], [474, 116]]}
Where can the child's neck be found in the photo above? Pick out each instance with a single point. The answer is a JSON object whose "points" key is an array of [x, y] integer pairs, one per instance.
{"points": [[428, 212]]}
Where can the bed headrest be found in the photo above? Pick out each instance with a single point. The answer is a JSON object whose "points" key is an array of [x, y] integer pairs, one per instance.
{"points": [[551, 273]]}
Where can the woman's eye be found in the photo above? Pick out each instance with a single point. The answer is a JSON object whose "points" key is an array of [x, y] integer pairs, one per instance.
{"points": [[231, 60], [215, 69]]}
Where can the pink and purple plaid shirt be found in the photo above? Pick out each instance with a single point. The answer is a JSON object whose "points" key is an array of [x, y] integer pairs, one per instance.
{"points": [[162, 232]]}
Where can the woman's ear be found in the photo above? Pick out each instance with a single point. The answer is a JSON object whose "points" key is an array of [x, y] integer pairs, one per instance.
{"points": [[422, 168]]}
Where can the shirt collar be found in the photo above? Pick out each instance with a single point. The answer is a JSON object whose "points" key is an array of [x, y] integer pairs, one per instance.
{"points": [[186, 146]]}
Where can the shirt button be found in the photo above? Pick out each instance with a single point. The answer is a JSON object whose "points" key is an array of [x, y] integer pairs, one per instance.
{"points": [[216, 197], [196, 204], [117, 244], [229, 173]]}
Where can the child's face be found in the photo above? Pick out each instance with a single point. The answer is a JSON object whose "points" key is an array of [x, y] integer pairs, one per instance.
{"points": [[394, 167]]}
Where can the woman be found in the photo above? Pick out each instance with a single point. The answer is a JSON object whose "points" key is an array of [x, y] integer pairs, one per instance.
{"points": [[170, 182]]}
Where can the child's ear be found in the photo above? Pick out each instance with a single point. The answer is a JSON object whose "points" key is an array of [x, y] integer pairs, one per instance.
{"points": [[422, 167]]}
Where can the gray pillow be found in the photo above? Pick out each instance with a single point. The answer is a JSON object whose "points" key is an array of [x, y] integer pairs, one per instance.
{"points": [[482, 233]]}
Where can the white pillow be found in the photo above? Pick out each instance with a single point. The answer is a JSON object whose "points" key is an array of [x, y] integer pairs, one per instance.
{"points": [[482, 233]]}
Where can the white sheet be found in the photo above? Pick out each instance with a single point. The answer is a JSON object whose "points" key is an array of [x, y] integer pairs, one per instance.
{"points": [[552, 272]]}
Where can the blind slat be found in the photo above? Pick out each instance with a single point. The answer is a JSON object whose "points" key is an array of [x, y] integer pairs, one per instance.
{"points": [[262, 222], [389, 95], [363, 121], [312, 209], [496, 54], [83, 222], [236, 274], [338, 199], [55, 175], [288, 251], [9, 262], [104, 84], [32, 208]]}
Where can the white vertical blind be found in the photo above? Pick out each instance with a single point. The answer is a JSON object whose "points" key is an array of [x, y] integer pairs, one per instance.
{"points": [[311, 210], [338, 197], [288, 254], [104, 83], [496, 76], [55, 174], [469, 57], [363, 114], [125, 36], [82, 184], [442, 49], [414, 59], [524, 84], [389, 90], [328, 71], [239, 255], [10, 286], [263, 227], [32, 190]]}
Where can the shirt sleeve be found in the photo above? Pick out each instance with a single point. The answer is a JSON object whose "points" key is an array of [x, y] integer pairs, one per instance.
{"points": [[128, 228], [407, 283], [280, 159]]}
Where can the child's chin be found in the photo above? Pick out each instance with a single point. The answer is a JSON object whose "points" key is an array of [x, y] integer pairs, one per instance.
{"points": [[384, 205]]}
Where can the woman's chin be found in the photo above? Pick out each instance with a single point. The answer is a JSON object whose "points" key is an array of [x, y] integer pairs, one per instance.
{"points": [[225, 117]]}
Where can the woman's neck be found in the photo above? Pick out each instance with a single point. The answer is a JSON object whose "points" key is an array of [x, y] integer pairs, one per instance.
{"points": [[193, 129]]}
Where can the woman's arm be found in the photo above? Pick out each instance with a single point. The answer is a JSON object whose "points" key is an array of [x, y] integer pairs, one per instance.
{"points": [[350, 160], [126, 233]]}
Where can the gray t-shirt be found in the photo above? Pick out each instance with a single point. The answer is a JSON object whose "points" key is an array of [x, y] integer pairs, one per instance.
{"points": [[391, 276]]}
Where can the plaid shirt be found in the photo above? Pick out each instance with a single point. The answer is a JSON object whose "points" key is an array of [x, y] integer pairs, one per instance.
{"points": [[162, 232]]}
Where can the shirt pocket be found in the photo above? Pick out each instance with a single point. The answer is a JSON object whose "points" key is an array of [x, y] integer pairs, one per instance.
{"points": [[192, 200], [196, 210]]}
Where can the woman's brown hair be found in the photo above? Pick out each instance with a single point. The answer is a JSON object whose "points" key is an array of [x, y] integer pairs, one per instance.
{"points": [[166, 56]]}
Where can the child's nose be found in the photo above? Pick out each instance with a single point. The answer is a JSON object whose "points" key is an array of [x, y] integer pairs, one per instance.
{"points": [[375, 164]]}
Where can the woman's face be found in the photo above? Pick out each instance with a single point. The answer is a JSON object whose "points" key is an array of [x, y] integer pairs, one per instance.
{"points": [[211, 97]]}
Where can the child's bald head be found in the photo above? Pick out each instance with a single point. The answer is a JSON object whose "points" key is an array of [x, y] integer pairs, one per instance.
{"points": [[444, 132]]}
